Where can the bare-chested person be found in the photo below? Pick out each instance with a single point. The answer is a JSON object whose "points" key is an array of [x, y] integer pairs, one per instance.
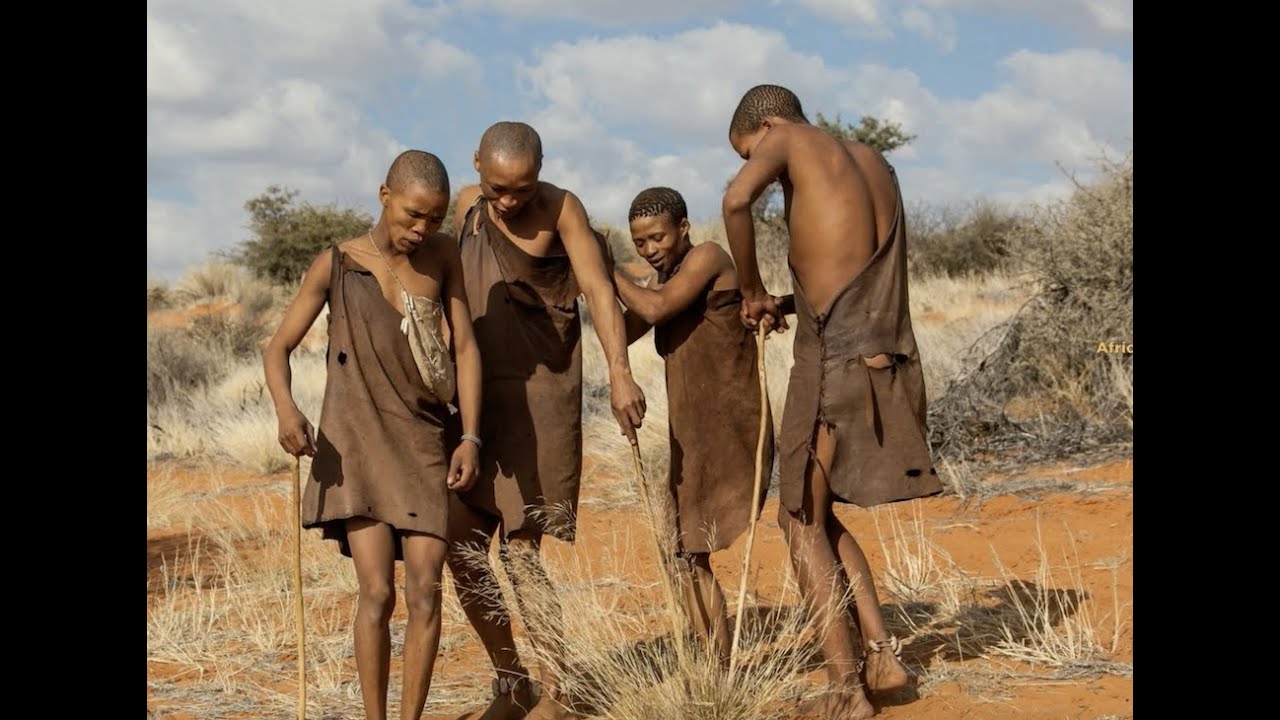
{"points": [[528, 252], [853, 428]]}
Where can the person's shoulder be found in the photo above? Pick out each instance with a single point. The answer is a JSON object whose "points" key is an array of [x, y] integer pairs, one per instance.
{"points": [[322, 263], [553, 200], [711, 253], [864, 153], [360, 242], [553, 195], [871, 163], [785, 133], [468, 194]]}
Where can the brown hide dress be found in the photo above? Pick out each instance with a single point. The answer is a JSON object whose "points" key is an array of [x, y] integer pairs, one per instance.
{"points": [[380, 448], [713, 402], [527, 326], [877, 415]]}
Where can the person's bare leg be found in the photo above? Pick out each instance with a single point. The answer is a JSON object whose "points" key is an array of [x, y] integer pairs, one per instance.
{"points": [[884, 671], [473, 578], [822, 585], [423, 567], [529, 578], [373, 551], [706, 600]]}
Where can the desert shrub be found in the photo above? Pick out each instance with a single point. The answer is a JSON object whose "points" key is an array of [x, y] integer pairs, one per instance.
{"points": [[1046, 389], [961, 241]]}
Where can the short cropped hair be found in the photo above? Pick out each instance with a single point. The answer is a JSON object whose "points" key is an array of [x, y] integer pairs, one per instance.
{"points": [[415, 166], [764, 101], [511, 140], [656, 201]]}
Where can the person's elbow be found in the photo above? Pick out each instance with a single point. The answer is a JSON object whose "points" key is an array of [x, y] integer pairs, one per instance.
{"points": [[601, 298], [651, 313], [274, 349], [735, 202]]}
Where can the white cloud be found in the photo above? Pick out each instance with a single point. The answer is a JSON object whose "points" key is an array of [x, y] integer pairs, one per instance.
{"points": [[175, 71], [936, 27], [300, 94], [685, 85], [172, 228], [1090, 20], [603, 12], [680, 91], [1111, 16], [242, 95], [1085, 83], [1053, 108], [184, 234], [862, 15], [607, 171], [1063, 108]]}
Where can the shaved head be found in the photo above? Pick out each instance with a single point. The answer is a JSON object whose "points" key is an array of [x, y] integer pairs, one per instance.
{"points": [[511, 141], [413, 167]]}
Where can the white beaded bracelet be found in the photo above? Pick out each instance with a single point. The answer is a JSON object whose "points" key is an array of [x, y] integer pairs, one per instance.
{"points": [[474, 439]]}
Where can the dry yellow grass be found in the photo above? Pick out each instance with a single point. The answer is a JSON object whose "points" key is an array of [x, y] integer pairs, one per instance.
{"points": [[618, 655], [220, 624]]}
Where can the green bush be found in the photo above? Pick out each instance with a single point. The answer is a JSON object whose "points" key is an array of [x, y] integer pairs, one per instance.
{"points": [[288, 237], [958, 242]]}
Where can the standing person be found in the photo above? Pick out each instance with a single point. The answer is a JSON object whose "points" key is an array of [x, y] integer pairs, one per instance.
{"points": [[713, 393], [853, 429], [381, 475], [529, 251]]}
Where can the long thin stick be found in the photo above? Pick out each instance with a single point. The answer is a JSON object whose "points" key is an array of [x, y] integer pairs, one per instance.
{"points": [[677, 627], [755, 511], [297, 589]]}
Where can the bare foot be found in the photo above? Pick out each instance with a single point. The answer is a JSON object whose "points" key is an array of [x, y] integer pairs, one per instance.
{"points": [[837, 705], [513, 705], [885, 672]]}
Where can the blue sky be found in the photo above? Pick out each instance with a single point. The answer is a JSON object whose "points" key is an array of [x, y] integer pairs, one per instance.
{"points": [[320, 95]]}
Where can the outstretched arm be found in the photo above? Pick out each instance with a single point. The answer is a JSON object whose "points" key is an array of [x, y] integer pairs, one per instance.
{"points": [[635, 325], [700, 268], [587, 260], [296, 434]]}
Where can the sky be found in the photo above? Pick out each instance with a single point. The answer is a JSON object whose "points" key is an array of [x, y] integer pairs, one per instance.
{"points": [[1007, 98]]}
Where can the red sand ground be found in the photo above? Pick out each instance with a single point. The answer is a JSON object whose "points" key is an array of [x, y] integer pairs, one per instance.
{"points": [[1101, 524]]}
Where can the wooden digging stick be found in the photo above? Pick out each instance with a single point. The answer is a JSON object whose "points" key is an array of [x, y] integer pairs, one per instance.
{"points": [[755, 511], [297, 589], [666, 578]]}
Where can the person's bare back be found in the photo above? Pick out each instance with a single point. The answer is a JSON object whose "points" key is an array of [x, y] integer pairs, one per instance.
{"points": [[840, 205], [854, 428]]}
